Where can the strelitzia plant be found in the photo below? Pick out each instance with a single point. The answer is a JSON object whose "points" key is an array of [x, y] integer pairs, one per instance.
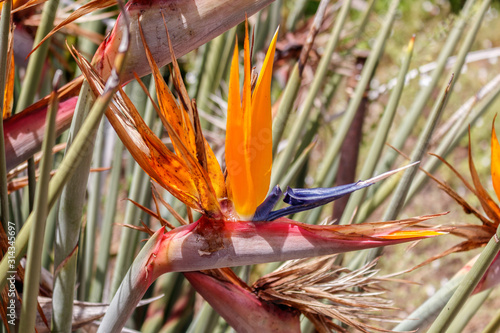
{"points": [[218, 286], [238, 225], [474, 236]]}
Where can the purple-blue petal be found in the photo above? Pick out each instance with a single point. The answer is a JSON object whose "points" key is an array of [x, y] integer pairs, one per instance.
{"points": [[265, 208], [302, 199]]}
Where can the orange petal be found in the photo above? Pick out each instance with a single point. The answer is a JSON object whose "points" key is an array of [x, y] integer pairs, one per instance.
{"points": [[261, 139], [171, 111], [249, 133], [495, 161], [235, 139], [148, 150], [215, 173], [181, 132], [167, 169]]}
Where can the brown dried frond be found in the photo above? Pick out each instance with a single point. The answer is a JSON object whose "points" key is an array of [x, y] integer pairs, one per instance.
{"points": [[323, 292]]}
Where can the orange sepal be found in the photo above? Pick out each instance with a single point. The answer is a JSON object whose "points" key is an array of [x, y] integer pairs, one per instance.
{"points": [[148, 150], [170, 110], [495, 161], [261, 133], [249, 133], [412, 234], [235, 156]]}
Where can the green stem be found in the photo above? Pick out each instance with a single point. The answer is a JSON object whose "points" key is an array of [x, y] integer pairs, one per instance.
{"points": [[364, 20], [40, 211], [67, 168], [299, 6], [33, 72], [4, 42], [50, 234], [93, 214], [223, 71], [295, 79], [380, 138], [285, 107], [467, 286], [493, 325], [216, 47], [366, 76], [425, 313], [107, 226], [33, 76], [69, 224], [468, 311], [261, 28], [399, 196], [423, 96]]}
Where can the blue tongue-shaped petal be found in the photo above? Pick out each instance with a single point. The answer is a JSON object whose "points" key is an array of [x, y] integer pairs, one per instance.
{"points": [[305, 199], [320, 196], [262, 212]]}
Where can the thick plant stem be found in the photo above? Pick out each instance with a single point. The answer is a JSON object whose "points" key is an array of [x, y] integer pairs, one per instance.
{"points": [[33, 76], [69, 224], [4, 42], [72, 159], [467, 286], [132, 288], [468, 311], [423, 96], [93, 214], [99, 280], [34, 257], [494, 325], [67, 168], [428, 311]]}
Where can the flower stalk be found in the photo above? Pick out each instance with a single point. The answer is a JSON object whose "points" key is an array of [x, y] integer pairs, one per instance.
{"points": [[208, 244]]}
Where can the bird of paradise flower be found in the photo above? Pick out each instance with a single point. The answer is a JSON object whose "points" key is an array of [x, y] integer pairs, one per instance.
{"points": [[238, 225]]}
